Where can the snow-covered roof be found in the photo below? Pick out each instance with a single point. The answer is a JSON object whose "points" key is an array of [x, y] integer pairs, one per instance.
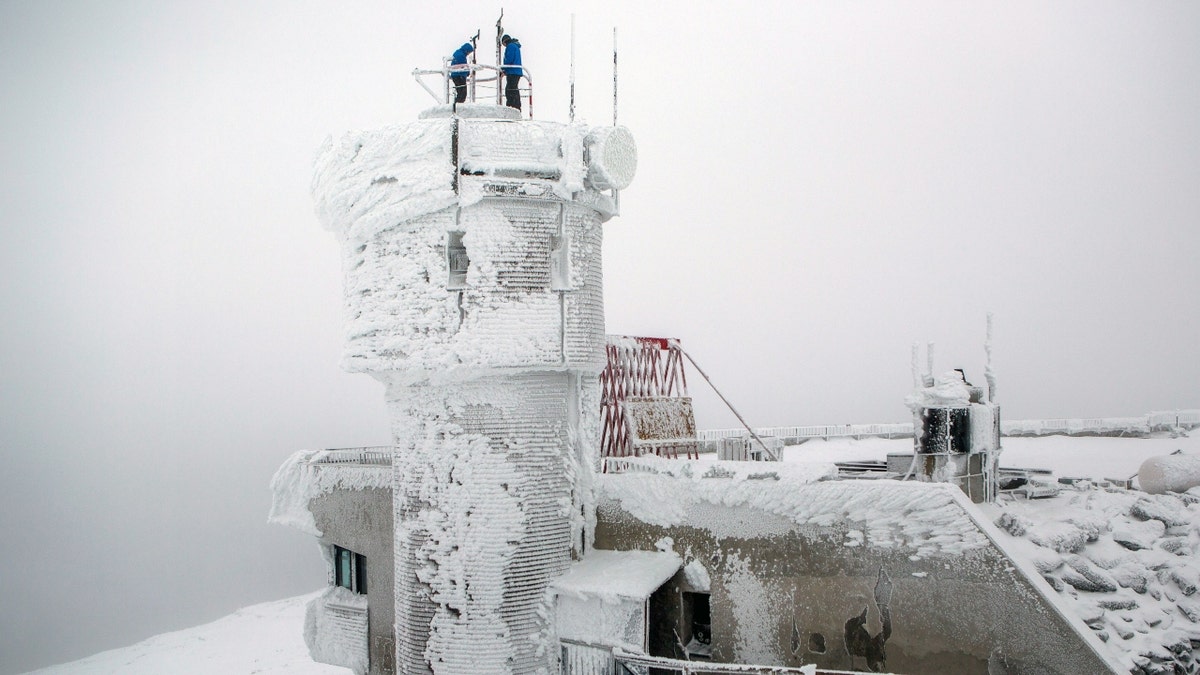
{"points": [[616, 575], [302, 478]]}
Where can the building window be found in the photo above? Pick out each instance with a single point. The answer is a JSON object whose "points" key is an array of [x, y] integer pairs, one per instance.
{"points": [[457, 261], [349, 569], [560, 263]]}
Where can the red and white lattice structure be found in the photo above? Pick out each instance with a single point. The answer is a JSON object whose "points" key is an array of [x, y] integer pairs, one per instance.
{"points": [[644, 404]]}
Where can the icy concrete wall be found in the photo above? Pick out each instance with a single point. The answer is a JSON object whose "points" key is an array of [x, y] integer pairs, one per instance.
{"points": [[899, 577], [361, 520], [335, 629], [303, 478]]}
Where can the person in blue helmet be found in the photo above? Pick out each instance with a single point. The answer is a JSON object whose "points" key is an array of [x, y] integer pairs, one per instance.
{"points": [[512, 71], [459, 70]]}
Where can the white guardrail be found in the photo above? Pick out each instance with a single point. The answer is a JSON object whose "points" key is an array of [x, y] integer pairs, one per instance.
{"points": [[375, 454], [1133, 426], [711, 438]]}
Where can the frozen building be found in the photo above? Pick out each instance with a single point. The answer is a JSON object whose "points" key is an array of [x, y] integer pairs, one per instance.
{"points": [[487, 539]]}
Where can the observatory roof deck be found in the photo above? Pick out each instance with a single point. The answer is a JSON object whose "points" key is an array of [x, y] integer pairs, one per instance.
{"points": [[483, 86], [373, 455]]}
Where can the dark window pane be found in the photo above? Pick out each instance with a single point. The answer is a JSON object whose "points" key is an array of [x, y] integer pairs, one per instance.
{"points": [[342, 565], [360, 573]]}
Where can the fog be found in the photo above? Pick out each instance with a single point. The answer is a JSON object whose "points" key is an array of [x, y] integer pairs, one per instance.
{"points": [[820, 185]]}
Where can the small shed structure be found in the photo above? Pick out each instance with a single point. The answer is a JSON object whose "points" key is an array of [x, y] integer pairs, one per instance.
{"points": [[603, 603]]}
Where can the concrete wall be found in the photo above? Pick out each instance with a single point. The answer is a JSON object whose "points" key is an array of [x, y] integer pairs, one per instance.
{"points": [[777, 598], [361, 520]]}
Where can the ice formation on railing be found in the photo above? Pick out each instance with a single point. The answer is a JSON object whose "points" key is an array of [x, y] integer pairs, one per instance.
{"points": [[303, 478], [1132, 426]]}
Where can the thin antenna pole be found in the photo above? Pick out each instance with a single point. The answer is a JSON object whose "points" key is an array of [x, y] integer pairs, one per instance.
{"points": [[614, 76], [988, 373], [499, 59], [929, 364], [918, 381], [471, 68], [571, 114]]}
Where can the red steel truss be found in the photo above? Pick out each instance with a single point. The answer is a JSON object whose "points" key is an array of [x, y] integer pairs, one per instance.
{"points": [[637, 367]]}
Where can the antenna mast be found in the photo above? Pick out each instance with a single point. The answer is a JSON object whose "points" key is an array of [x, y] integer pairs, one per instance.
{"points": [[614, 76], [988, 373], [471, 67], [571, 112]]}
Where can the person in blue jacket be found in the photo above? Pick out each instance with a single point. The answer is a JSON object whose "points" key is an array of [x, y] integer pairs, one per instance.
{"points": [[459, 71], [512, 71]]}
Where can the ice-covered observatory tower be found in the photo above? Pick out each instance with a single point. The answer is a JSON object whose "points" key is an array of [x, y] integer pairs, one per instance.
{"points": [[471, 243]]}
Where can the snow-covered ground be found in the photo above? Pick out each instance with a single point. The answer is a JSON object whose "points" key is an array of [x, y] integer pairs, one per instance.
{"points": [[1152, 607], [266, 639]]}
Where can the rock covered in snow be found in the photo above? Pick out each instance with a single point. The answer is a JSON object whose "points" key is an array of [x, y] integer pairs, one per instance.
{"points": [[1126, 563], [1138, 535], [1085, 576], [1063, 537], [1165, 508]]}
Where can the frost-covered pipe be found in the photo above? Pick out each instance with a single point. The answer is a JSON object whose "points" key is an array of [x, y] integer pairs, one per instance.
{"points": [[912, 466], [499, 48], [929, 363], [571, 110], [916, 367], [988, 373]]}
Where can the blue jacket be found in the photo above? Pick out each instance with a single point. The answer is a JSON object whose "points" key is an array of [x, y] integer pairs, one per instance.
{"points": [[512, 59], [460, 59]]}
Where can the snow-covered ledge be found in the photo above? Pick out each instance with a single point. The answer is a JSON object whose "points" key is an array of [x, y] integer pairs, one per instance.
{"points": [[601, 600], [309, 474], [335, 629]]}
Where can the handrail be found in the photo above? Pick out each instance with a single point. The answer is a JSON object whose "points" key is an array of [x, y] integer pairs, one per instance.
{"points": [[1156, 421], [473, 71], [381, 455], [374, 455], [812, 431], [623, 657]]}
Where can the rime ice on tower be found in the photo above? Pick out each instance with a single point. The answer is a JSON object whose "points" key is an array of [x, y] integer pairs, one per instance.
{"points": [[471, 246]]}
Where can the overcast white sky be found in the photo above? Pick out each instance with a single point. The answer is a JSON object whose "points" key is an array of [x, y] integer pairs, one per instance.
{"points": [[820, 185]]}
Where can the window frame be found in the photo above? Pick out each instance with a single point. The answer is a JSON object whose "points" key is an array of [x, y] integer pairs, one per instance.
{"points": [[456, 252], [347, 563]]}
